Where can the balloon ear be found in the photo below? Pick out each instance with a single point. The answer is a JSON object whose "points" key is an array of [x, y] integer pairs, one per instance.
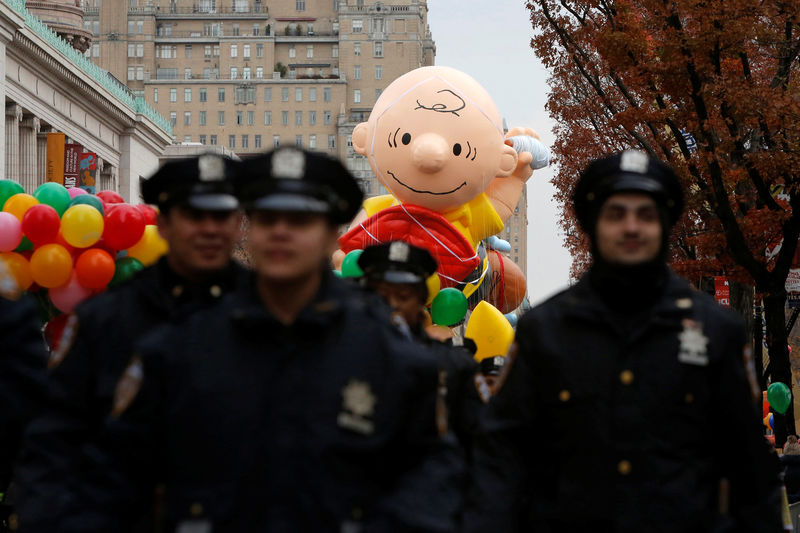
{"points": [[508, 161], [360, 138]]}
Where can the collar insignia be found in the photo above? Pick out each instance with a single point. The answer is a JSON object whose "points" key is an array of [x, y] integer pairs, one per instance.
{"points": [[358, 407], [693, 348]]}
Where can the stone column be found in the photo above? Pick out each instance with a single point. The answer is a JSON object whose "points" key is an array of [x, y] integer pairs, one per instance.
{"points": [[41, 153], [13, 117], [28, 153]]}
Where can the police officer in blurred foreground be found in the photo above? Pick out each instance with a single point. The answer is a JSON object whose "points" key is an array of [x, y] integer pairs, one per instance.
{"points": [[617, 388], [398, 272], [293, 406], [200, 220]]}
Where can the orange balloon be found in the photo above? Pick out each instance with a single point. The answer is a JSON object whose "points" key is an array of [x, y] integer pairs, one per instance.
{"points": [[19, 204], [94, 268], [14, 266], [51, 265]]}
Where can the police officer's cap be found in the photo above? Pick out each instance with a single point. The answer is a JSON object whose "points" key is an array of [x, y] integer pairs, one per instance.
{"points": [[626, 171], [397, 262], [205, 182], [295, 180]]}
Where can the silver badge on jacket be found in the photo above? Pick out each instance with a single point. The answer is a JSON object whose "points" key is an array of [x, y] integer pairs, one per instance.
{"points": [[694, 344]]}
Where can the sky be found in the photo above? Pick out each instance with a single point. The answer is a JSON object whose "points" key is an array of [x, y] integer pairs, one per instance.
{"points": [[490, 41]]}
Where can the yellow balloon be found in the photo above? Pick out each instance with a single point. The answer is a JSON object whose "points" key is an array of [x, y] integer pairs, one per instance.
{"points": [[15, 268], [51, 265], [150, 247], [19, 204], [434, 286], [82, 225], [490, 330]]}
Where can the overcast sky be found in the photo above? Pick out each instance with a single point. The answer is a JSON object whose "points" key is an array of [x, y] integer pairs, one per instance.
{"points": [[490, 41]]}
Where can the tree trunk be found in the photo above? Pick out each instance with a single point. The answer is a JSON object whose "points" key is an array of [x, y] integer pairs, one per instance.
{"points": [[779, 368]]}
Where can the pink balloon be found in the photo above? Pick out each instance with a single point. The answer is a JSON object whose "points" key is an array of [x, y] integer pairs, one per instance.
{"points": [[75, 191], [10, 232], [66, 297]]}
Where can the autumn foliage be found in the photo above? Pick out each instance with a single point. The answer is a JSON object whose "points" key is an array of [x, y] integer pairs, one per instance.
{"points": [[713, 88]]}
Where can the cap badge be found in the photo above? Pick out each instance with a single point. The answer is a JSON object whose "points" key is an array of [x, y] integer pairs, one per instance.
{"points": [[289, 164], [634, 161], [211, 168], [398, 251]]}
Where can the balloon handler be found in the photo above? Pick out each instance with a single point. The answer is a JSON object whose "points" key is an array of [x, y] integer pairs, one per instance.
{"points": [[435, 140]]}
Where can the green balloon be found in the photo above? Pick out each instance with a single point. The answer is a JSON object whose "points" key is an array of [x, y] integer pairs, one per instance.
{"points": [[53, 194], [24, 245], [350, 268], [779, 397], [8, 189], [126, 268], [449, 307], [88, 199]]}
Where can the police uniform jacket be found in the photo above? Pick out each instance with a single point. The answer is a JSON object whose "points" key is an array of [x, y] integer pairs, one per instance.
{"points": [[95, 349], [327, 424], [603, 428]]}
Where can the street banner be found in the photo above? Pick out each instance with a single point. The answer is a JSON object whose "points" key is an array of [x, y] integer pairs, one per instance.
{"points": [[793, 281], [722, 291], [72, 164], [88, 173], [55, 157]]}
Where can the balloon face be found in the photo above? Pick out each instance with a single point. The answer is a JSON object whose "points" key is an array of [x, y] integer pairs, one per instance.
{"points": [[124, 226], [149, 248], [17, 268], [8, 189], [19, 204], [779, 397], [41, 224], [51, 265], [94, 268], [10, 232], [449, 307], [66, 297], [82, 225], [53, 194]]}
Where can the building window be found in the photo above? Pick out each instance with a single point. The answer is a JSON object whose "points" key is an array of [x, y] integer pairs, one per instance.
{"points": [[231, 141], [187, 138], [207, 51], [187, 51], [234, 50], [326, 117], [155, 95], [187, 95], [203, 94], [312, 118], [356, 49], [173, 95], [256, 29], [246, 73], [221, 118], [378, 72], [140, 73], [284, 94], [358, 25], [139, 26], [300, 5], [267, 94], [173, 118], [251, 118], [259, 50], [331, 141], [298, 118], [298, 94], [212, 140], [309, 29], [357, 96], [284, 118], [292, 51], [221, 94], [202, 139], [245, 141], [131, 50], [335, 50], [310, 51], [246, 52], [239, 118], [378, 94], [187, 73], [276, 141], [356, 72], [235, 30], [187, 118], [202, 118], [326, 94], [245, 94], [298, 141], [234, 73], [259, 73], [131, 73], [292, 73], [312, 142], [257, 141], [216, 50], [268, 118], [312, 94], [95, 50]]}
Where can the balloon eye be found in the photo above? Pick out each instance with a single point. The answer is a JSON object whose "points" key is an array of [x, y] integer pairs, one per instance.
{"points": [[406, 138], [456, 149]]}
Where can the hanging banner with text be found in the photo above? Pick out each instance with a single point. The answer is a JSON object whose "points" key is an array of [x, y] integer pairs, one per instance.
{"points": [[722, 291], [55, 157], [72, 164], [88, 174]]}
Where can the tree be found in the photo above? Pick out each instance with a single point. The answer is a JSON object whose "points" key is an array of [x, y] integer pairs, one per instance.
{"points": [[710, 86]]}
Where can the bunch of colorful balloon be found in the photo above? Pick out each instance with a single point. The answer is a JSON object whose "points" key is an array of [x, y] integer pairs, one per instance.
{"points": [[68, 244]]}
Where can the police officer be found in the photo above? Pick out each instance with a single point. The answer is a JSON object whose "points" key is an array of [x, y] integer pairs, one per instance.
{"points": [[200, 220], [294, 405], [616, 389], [398, 272]]}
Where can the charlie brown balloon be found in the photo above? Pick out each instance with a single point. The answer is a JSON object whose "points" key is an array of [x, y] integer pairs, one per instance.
{"points": [[435, 140]]}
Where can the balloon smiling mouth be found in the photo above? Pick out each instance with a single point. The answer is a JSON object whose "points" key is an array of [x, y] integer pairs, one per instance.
{"points": [[464, 184]]}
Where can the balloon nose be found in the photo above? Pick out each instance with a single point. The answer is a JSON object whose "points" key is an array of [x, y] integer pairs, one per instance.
{"points": [[429, 152]]}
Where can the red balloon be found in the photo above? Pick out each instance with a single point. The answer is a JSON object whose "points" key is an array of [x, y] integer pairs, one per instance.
{"points": [[110, 197], [94, 268], [40, 224], [60, 240], [103, 245], [124, 226], [148, 212]]}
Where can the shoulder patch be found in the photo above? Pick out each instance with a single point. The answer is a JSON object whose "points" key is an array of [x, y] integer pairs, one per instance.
{"points": [[510, 357], [64, 342], [127, 387]]}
